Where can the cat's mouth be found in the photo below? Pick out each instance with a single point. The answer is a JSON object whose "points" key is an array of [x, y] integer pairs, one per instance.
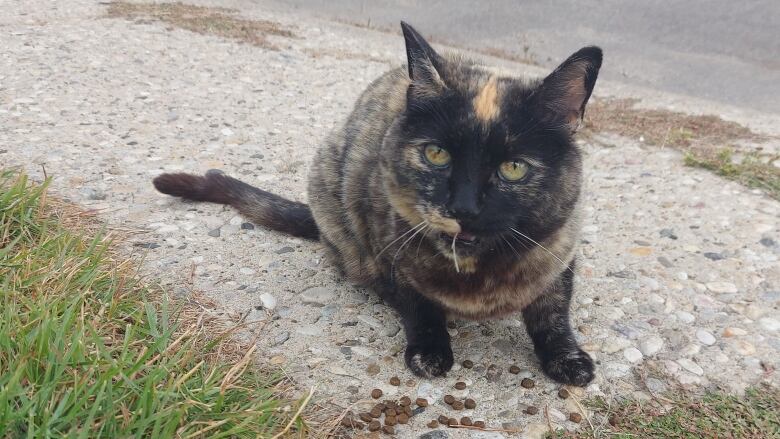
{"points": [[461, 238]]}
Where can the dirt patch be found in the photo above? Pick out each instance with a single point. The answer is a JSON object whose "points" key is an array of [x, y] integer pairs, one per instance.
{"points": [[221, 22], [708, 141]]}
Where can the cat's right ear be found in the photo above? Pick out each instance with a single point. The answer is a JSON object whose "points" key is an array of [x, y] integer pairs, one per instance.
{"points": [[423, 62]]}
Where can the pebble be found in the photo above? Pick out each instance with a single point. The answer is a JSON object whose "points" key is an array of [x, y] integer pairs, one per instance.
{"points": [[744, 347], [214, 232], [690, 366], [493, 373], [685, 316], [318, 296], [436, 434], [281, 338], [705, 337], [713, 256], [769, 324], [633, 355], [722, 287], [651, 345], [734, 332], [268, 301]]}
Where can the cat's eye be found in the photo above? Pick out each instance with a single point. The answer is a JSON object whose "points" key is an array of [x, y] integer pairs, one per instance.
{"points": [[514, 170], [437, 156]]}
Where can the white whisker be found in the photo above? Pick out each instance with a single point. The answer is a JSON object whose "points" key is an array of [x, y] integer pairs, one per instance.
{"points": [[399, 238], [392, 264], [455, 253], [543, 248]]}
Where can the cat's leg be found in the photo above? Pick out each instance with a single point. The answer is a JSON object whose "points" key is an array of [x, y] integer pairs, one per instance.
{"points": [[547, 322], [428, 352]]}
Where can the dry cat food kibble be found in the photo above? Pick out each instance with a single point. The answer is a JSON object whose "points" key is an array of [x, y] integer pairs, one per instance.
{"points": [[403, 418], [347, 421], [514, 369], [421, 402], [391, 420], [374, 426], [458, 405], [563, 393], [465, 421], [479, 424], [395, 381], [452, 421], [470, 403], [460, 385], [408, 411], [405, 401], [376, 393], [376, 412], [449, 399], [468, 364], [388, 429], [390, 412], [443, 419], [528, 383], [531, 410], [433, 424], [366, 417], [575, 417]]}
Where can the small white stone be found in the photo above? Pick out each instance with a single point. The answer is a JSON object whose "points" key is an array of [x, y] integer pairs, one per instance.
{"points": [[268, 300], [722, 287], [770, 324], [690, 366], [247, 271], [705, 337], [685, 317], [651, 346], [310, 330], [614, 344], [632, 355], [682, 275]]}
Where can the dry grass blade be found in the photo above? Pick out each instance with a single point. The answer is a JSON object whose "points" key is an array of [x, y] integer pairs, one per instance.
{"points": [[221, 22]]}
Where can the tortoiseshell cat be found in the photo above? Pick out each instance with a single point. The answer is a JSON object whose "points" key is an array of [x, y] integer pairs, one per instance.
{"points": [[450, 190]]}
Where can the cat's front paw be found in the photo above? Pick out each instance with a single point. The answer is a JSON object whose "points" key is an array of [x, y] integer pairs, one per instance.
{"points": [[574, 367], [429, 360]]}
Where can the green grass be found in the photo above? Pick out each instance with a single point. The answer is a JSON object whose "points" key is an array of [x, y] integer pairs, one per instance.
{"points": [[750, 171], [712, 415], [87, 350]]}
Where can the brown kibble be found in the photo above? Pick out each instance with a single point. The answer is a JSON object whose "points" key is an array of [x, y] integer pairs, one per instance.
{"points": [[443, 420], [390, 405], [421, 402], [410, 383], [531, 410], [381, 406], [408, 411], [347, 421], [527, 383], [395, 381], [575, 417], [390, 412], [470, 403], [457, 405], [460, 385], [366, 417], [563, 393], [376, 393], [403, 418], [513, 369], [465, 421], [452, 421], [374, 425], [388, 429], [479, 424], [433, 424], [405, 401], [376, 412], [613, 420], [449, 399], [468, 364], [391, 420]]}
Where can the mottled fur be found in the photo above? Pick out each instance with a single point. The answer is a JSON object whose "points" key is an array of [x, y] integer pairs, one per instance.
{"points": [[460, 240]]}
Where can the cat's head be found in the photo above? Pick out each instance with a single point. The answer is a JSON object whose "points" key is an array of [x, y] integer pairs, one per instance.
{"points": [[480, 158]]}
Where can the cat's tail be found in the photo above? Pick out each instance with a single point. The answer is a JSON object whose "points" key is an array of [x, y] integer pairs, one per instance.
{"points": [[260, 207]]}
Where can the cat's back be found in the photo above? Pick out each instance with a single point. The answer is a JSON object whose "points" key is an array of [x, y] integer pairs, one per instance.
{"points": [[344, 169]]}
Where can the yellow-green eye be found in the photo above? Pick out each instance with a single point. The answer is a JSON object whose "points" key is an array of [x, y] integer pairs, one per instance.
{"points": [[437, 156], [515, 170]]}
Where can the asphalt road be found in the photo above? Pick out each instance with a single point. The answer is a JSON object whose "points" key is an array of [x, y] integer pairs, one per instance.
{"points": [[721, 50]]}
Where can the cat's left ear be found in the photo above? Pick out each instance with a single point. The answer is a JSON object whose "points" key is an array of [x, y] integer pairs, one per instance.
{"points": [[563, 94], [423, 62]]}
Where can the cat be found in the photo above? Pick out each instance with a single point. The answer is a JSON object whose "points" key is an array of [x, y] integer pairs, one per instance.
{"points": [[450, 191]]}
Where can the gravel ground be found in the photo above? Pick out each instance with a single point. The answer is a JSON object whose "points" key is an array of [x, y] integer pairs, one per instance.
{"points": [[678, 279]]}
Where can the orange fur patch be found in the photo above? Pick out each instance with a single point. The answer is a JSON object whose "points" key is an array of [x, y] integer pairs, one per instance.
{"points": [[486, 101]]}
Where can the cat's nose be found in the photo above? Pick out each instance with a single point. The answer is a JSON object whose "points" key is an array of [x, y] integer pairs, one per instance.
{"points": [[464, 204]]}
